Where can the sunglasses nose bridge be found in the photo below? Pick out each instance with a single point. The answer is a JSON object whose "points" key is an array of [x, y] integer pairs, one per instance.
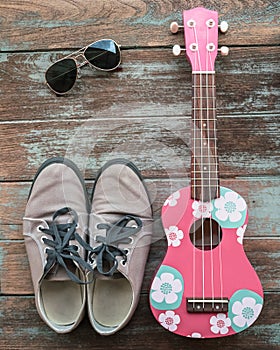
{"points": [[80, 60]]}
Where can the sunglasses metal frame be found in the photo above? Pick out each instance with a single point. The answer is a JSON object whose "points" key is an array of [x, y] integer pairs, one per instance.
{"points": [[81, 53]]}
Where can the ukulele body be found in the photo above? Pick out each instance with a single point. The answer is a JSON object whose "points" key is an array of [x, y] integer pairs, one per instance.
{"points": [[190, 276]]}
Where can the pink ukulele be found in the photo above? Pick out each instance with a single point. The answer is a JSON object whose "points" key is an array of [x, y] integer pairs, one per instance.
{"points": [[205, 286]]}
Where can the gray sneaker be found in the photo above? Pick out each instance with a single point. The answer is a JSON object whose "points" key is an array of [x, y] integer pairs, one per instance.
{"points": [[54, 229], [120, 227]]}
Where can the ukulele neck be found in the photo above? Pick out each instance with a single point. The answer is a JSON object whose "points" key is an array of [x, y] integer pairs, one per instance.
{"points": [[204, 162]]}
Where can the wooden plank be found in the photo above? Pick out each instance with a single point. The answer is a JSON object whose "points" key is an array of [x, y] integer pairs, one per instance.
{"points": [[141, 112], [149, 83], [15, 279], [261, 195], [63, 24], [159, 146], [22, 328]]}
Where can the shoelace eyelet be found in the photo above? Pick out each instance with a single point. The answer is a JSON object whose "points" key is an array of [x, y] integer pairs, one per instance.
{"points": [[40, 228], [123, 262], [42, 239]]}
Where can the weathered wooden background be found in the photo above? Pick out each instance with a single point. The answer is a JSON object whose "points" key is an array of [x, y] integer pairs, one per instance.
{"points": [[142, 112]]}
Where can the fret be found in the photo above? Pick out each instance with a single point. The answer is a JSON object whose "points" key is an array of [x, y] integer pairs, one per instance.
{"points": [[204, 97], [205, 120], [203, 150], [205, 72], [215, 179], [205, 186], [204, 164], [209, 123], [204, 108], [206, 172], [204, 158], [198, 86], [206, 182], [208, 138], [203, 130]]}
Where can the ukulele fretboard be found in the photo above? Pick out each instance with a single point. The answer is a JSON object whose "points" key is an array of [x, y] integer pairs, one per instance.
{"points": [[204, 162]]}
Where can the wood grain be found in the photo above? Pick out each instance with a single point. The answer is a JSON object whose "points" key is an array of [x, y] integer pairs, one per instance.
{"points": [[261, 195], [142, 112], [143, 332], [150, 142], [16, 279], [150, 82], [33, 24]]}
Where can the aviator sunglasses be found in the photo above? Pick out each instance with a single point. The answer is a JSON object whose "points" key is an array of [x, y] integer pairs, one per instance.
{"points": [[103, 55]]}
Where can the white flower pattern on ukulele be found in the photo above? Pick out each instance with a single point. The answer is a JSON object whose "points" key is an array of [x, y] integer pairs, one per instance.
{"points": [[202, 209], [172, 199], [174, 236], [169, 320], [195, 335], [229, 207], [246, 312], [220, 324], [166, 288], [240, 233]]}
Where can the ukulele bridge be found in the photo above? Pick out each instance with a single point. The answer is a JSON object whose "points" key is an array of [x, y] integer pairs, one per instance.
{"points": [[200, 305]]}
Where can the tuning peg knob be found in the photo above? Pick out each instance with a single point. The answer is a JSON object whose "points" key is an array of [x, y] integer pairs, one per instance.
{"points": [[174, 27], [176, 50], [223, 26], [224, 50]]}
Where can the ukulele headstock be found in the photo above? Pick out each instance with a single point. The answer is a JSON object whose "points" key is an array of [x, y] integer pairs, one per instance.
{"points": [[201, 38]]}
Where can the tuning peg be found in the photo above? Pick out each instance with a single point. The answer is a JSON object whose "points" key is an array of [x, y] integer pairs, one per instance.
{"points": [[174, 27], [223, 26], [177, 50], [224, 50]]}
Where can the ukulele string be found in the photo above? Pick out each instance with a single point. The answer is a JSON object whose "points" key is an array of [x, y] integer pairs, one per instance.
{"points": [[194, 180], [201, 167], [209, 63], [213, 93]]}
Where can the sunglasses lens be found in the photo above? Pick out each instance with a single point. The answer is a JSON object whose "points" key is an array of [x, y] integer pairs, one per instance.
{"points": [[103, 54], [61, 76]]}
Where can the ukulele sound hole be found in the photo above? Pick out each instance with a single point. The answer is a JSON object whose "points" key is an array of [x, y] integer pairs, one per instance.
{"points": [[205, 234]]}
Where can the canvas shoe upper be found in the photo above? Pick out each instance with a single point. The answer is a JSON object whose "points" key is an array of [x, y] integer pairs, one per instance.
{"points": [[120, 227], [54, 228]]}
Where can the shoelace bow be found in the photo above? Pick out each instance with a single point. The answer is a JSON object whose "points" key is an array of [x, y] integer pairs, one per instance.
{"points": [[61, 250], [108, 250]]}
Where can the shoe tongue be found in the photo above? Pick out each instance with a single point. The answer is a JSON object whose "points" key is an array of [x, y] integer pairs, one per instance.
{"points": [[58, 273]]}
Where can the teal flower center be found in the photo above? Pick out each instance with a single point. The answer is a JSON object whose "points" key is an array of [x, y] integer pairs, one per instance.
{"points": [[230, 207], [166, 288], [247, 312]]}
